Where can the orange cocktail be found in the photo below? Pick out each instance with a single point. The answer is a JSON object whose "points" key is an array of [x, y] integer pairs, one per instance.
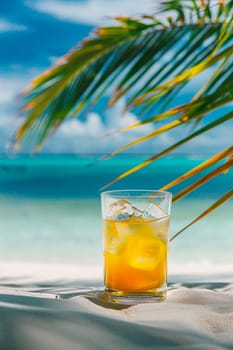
{"points": [[135, 254]]}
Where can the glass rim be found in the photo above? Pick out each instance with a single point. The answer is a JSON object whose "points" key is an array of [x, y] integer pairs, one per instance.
{"points": [[135, 193]]}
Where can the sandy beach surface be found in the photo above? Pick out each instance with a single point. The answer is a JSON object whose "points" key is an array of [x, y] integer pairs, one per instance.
{"points": [[63, 313]]}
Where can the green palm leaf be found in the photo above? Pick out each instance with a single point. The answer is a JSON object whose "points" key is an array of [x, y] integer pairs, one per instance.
{"points": [[219, 170], [198, 169], [214, 206], [150, 61], [120, 56], [225, 118]]}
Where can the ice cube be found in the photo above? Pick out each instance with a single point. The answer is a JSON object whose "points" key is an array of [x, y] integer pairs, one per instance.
{"points": [[111, 237], [112, 244], [121, 210], [146, 254], [153, 211], [137, 213]]}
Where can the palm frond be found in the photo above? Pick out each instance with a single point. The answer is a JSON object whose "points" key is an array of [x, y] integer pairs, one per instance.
{"points": [[126, 58], [197, 107], [204, 129], [151, 61], [152, 95], [199, 168], [213, 207], [219, 170]]}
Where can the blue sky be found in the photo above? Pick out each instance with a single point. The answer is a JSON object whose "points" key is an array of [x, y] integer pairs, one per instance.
{"points": [[33, 34]]}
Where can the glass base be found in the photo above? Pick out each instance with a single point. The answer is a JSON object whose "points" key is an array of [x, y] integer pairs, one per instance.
{"points": [[134, 298]]}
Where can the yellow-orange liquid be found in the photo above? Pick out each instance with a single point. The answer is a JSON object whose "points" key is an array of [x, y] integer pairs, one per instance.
{"points": [[135, 254]]}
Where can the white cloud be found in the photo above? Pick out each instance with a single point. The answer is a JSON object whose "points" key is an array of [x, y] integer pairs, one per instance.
{"points": [[92, 127], [92, 12], [14, 82], [89, 136], [10, 87], [8, 125], [6, 26]]}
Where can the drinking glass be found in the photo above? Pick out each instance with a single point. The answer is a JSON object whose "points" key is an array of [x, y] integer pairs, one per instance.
{"points": [[135, 243]]}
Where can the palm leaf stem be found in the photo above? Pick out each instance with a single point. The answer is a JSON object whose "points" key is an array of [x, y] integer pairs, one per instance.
{"points": [[204, 165], [184, 55], [198, 108], [164, 42], [162, 129], [183, 77], [211, 79], [200, 131], [219, 170], [214, 206]]}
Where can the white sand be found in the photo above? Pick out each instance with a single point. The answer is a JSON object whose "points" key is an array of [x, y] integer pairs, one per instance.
{"points": [[47, 316]]}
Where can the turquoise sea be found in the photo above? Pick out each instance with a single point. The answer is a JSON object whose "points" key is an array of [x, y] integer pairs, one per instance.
{"points": [[50, 211]]}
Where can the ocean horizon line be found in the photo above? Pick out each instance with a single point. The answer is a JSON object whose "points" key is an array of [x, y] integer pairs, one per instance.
{"points": [[93, 158], [92, 154]]}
